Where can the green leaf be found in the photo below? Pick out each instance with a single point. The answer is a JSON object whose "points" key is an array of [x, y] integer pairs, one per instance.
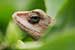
{"points": [[28, 45], [13, 34], [63, 41], [1, 37], [53, 6], [65, 17]]}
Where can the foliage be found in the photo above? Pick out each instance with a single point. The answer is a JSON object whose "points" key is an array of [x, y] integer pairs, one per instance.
{"points": [[59, 37]]}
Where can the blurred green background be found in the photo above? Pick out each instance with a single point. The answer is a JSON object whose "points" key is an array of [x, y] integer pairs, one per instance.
{"points": [[59, 37]]}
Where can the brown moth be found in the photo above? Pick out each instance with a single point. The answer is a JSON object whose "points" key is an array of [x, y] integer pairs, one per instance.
{"points": [[34, 22]]}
